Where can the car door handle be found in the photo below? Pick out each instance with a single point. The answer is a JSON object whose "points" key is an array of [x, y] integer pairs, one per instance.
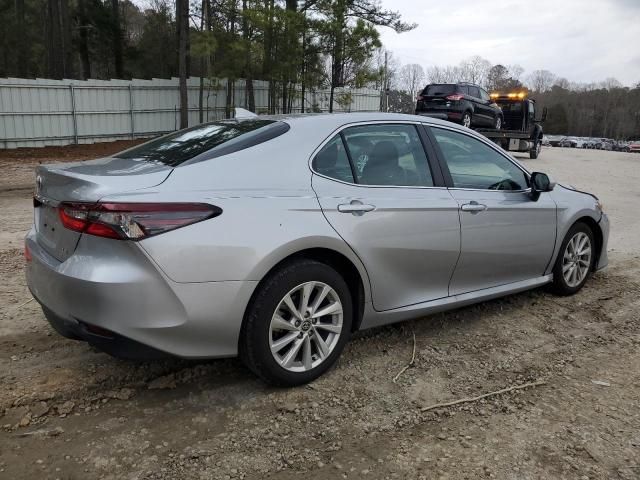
{"points": [[473, 207], [355, 207]]}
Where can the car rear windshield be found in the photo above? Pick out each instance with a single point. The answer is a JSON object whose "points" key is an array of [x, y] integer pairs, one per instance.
{"points": [[206, 141], [510, 107], [441, 89]]}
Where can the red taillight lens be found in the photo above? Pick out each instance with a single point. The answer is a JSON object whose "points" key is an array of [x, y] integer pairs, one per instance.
{"points": [[456, 97], [419, 98], [27, 254], [133, 221]]}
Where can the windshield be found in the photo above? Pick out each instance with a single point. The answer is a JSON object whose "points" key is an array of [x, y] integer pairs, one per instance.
{"points": [[441, 89], [206, 141], [511, 107]]}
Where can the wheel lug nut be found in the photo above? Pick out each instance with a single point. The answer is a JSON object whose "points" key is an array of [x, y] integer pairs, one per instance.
{"points": [[297, 324], [300, 335], [314, 321]]}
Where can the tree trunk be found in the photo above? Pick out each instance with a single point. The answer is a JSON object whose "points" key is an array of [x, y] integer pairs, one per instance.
{"points": [[25, 48], [182, 14], [268, 55], [248, 67], [202, 67], [337, 61], [84, 40], [67, 47], [116, 33], [303, 66], [54, 41]]}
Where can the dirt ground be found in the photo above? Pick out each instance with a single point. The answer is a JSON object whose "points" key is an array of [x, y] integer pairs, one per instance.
{"points": [[69, 412]]}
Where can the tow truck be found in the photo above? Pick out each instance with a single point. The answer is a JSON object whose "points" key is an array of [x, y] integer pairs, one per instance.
{"points": [[521, 131]]}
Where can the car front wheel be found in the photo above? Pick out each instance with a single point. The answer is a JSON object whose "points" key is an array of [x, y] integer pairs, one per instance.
{"points": [[575, 260], [466, 119], [297, 324], [497, 124]]}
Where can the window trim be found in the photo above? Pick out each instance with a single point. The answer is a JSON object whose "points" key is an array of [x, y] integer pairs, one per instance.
{"points": [[471, 94], [445, 168], [432, 160]]}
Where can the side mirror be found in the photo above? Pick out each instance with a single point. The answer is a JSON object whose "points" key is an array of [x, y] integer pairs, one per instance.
{"points": [[543, 117], [540, 182]]}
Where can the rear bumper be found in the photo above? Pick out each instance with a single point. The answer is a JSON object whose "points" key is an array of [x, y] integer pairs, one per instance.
{"points": [[114, 286]]}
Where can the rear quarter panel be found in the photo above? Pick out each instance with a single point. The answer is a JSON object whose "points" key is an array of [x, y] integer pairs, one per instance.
{"points": [[269, 212]]}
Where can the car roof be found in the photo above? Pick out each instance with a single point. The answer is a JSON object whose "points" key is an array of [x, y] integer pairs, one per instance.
{"points": [[339, 119]]}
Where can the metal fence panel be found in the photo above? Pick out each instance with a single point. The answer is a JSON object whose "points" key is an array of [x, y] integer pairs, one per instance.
{"points": [[59, 112]]}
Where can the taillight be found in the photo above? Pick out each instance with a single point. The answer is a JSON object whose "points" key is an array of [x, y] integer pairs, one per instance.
{"points": [[455, 97], [132, 221], [419, 98]]}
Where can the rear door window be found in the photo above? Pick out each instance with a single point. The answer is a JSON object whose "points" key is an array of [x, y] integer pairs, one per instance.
{"points": [[484, 95], [388, 154], [474, 92], [332, 161], [206, 141]]}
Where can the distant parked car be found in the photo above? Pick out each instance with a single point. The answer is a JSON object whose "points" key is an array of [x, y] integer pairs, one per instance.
{"points": [[634, 146], [605, 144], [545, 141], [589, 143], [571, 142], [554, 140], [464, 103], [621, 146]]}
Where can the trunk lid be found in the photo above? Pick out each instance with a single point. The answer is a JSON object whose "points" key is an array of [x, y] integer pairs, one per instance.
{"points": [[84, 182], [435, 96]]}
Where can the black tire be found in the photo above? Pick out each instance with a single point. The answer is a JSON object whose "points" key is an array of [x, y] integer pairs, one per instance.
{"points": [[535, 151], [560, 285], [463, 120], [255, 334]]}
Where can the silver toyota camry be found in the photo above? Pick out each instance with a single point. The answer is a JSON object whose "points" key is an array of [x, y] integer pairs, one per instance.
{"points": [[275, 238]]}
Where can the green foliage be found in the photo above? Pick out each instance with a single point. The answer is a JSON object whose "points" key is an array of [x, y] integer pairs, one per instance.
{"points": [[315, 43]]}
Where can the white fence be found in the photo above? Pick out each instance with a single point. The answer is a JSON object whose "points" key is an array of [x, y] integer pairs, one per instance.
{"points": [[42, 112]]}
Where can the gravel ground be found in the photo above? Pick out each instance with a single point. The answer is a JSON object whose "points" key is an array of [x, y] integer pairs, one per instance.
{"points": [[69, 412]]}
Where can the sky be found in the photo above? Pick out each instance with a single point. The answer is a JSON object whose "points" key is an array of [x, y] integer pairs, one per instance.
{"points": [[581, 40]]}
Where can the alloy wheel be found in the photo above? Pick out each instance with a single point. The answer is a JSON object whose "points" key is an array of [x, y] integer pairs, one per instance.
{"points": [[498, 123], [577, 259], [306, 326], [466, 120]]}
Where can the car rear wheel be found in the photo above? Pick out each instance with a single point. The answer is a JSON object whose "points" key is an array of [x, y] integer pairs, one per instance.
{"points": [[498, 123], [575, 260], [535, 151], [297, 324], [466, 119]]}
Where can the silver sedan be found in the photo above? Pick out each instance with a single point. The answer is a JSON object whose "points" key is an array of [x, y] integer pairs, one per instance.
{"points": [[275, 238]]}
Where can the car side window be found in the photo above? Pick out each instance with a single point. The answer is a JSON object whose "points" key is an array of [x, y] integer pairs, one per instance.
{"points": [[484, 95], [532, 110], [333, 162], [463, 89], [473, 164], [473, 91], [388, 154]]}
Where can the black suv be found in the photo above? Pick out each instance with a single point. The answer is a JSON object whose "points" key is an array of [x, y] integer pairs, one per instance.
{"points": [[460, 102]]}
